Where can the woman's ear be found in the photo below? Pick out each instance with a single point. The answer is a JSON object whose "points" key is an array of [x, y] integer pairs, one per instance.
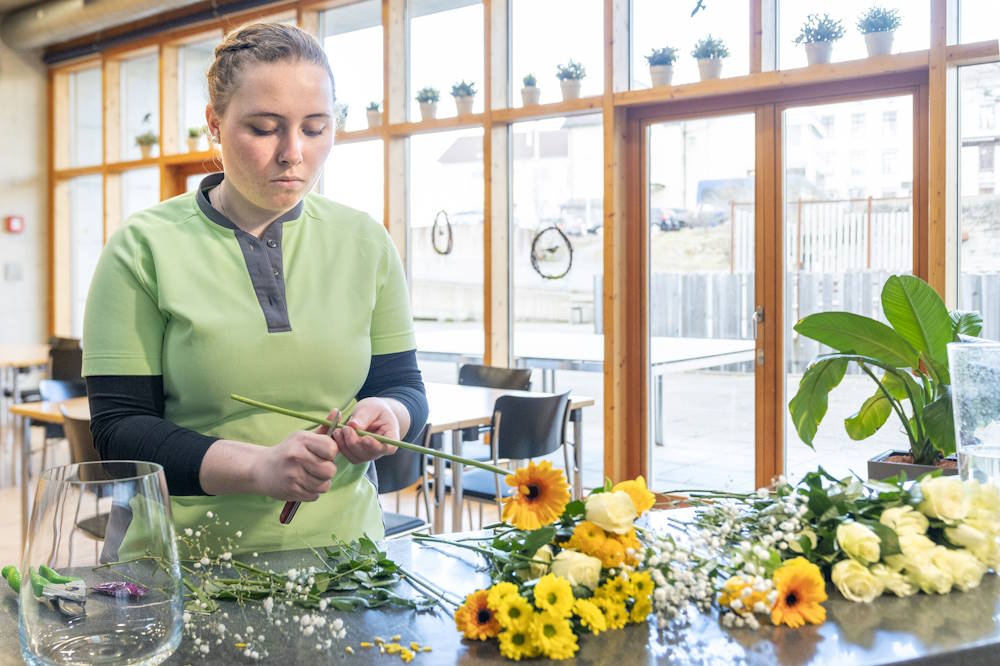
{"points": [[212, 120]]}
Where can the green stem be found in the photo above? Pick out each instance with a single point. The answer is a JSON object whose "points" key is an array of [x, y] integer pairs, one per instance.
{"points": [[896, 407], [416, 448]]}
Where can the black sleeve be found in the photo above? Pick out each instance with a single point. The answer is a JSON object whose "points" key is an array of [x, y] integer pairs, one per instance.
{"points": [[126, 421], [397, 376]]}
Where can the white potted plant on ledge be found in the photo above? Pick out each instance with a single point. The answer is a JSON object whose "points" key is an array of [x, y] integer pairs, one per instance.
{"points": [[374, 115], [464, 94], [428, 99], [146, 141], [569, 76], [818, 34], [709, 53], [661, 65], [878, 25], [194, 138], [530, 93]]}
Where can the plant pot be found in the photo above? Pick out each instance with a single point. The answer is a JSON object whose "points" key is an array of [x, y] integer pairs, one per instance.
{"points": [[530, 95], [193, 144], [374, 118], [463, 104], [146, 152], [662, 75], [880, 467], [570, 89], [428, 110], [818, 53], [879, 43], [709, 68]]}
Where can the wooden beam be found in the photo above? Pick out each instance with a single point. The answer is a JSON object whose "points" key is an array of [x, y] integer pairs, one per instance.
{"points": [[170, 130], [973, 53], [113, 203], [61, 284], [932, 263], [394, 101], [111, 82], [60, 127]]}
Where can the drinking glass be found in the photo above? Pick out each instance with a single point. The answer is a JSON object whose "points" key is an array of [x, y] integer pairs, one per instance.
{"points": [[119, 601], [975, 397]]}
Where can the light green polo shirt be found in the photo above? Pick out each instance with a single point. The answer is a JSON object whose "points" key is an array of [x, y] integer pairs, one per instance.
{"points": [[292, 318]]}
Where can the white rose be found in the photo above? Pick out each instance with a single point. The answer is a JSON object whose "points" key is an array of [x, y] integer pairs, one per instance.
{"points": [[988, 553], [796, 545], [613, 512], [904, 520], [894, 581], [984, 507], [965, 535], [577, 568], [859, 542], [944, 498], [855, 582], [965, 569], [912, 546], [925, 572], [536, 569]]}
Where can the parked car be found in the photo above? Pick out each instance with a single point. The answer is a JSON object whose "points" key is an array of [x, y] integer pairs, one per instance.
{"points": [[664, 220], [704, 215]]}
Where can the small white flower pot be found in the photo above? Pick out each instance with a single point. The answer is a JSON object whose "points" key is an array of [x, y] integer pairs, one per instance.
{"points": [[374, 118], [570, 89], [879, 43], [463, 104], [530, 95], [662, 75], [146, 151], [818, 53], [709, 68], [428, 110], [193, 144]]}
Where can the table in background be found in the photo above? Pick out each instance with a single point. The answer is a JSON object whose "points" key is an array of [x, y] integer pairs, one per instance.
{"points": [[14, 358]]}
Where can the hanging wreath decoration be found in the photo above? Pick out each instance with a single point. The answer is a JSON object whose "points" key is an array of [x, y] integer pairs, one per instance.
{"points": [[442, 232], [548, 248]]}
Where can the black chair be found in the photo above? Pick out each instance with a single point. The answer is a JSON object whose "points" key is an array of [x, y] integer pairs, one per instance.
{"points": [[57, 390], [81, 448], [397, 472], [517, 379], [65, 364]]}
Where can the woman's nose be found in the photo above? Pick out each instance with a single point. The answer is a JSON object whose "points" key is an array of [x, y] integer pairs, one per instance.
{"points": [[291, 151]]}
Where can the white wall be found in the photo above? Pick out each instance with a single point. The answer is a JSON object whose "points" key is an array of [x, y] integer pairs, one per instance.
{"points": [[24, 300]]}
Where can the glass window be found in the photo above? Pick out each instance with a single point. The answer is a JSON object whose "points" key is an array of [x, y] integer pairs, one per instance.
{"points": [[446, 47], [557, 232], [977, 20], [536, 48], [140, 190], [353, 176], [85, 117], [657, 24], [86, 238], [140, 103], [193, 61], [913, 33], [889, 122], [352, 38], [979, 212]]}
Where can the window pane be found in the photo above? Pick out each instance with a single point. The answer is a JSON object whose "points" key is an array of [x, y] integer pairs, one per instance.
{"points": [[140, 189], [353, 42], [85, 242], [537, 48], [446, 46], [353, 176], [848, 226], [140, 103], [657, 24], [85, 117], [979, 216], [912, 35], [977, 20], [557, 236], [193, 61]]}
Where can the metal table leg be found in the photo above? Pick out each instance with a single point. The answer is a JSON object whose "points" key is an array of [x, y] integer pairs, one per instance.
{"points": [[24, 434], [438, 493], [456, 482], [658, 411], [577, 416]]}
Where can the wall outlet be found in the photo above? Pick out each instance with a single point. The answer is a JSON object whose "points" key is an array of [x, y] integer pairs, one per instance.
{"points": [[13, 271]]}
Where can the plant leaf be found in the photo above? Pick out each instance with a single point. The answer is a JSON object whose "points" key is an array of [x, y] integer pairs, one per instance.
{"points": [[895, 385], [967, 322], [866, 421], [808, 407], [919, 315], [939, 422], [849, 332], [887, 536]]}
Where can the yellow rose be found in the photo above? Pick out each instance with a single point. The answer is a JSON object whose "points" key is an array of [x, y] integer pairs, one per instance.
{"points": [[894, 581], [795, 544], [614, 511], [855, 582], [577, 568], [904, 520], [965, 535], [944, 498], [923, 570], [965, 569], [859, 542], [641, 497]]}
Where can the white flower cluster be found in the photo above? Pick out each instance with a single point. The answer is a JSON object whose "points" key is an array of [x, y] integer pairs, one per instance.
{"points": [[679, 580]]}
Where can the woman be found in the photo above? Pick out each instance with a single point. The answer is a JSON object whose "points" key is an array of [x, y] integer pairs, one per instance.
{"points": [[252, 285]]}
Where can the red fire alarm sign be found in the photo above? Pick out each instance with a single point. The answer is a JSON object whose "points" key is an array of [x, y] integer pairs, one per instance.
{"points": [[13, 224]]}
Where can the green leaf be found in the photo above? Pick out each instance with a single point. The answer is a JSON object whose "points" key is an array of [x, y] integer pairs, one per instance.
{"points": [[888, 538], [966, 323], [896, 385], [939, 422], [538, 538], [819, 503], [919, 315], [849, 332], [808, 407], [574, 509], [866, 421]]}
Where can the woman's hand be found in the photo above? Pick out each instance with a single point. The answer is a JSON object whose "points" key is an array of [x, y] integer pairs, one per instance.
{"points": [[297, 469], [374, 415]]}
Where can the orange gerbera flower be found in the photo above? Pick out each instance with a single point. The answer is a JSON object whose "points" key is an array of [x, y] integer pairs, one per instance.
{"points": [[642, 498], [801, 591], [475, 619], [541, 496]]}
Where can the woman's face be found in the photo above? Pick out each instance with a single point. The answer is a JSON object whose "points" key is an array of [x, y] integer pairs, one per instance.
{"points": [[276, 132]]}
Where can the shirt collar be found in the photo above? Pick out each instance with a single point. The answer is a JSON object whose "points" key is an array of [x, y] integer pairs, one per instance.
{"points": [[211, 181]]}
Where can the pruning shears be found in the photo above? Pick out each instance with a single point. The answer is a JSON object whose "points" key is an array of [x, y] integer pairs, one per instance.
{"points": [[66, 594]]}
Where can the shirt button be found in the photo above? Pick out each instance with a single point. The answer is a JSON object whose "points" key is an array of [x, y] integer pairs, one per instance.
{"points": [[276, 273], [271, 243]]}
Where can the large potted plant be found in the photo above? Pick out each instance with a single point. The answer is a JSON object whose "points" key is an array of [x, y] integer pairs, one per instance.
{"points": [[569, 76], [661, 65], [428, 99], [465, 95], [709, 53], [818, 34], [530, 93], [914, 385], [878, 25]]}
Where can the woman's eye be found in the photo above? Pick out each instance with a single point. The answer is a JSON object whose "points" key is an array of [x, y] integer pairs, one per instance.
{"points": [[313, 132], [261, 132]]}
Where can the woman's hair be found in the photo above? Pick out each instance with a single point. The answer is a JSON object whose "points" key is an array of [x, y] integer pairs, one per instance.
{"points": [[259, 42]]}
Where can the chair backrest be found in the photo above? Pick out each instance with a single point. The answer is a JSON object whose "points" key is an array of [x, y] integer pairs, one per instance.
{"points": [[57, 390], [66, 363], [81, 442], [530, 426], [515, 379], [403, 468]]}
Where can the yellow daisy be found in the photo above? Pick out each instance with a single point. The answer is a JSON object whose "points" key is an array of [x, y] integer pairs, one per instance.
{"points": [[629, 540], [590, 615], [475, 619], [640, 610], [616, 589], [554, 594], [514, 612], [611, 553], [801, 591], [642, 498], [517, 644], [554, 636], [498, 593], [640, 585], [615, 614], [542, 495]]}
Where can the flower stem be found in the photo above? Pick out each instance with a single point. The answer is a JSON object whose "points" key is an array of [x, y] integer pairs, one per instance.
{"points": [[416, 448]]}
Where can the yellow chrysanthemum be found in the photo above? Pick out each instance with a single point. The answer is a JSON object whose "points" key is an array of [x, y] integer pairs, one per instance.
{"points": [[629, 540], [801, 591], [554, 636], [498, 593], [590, 615], [615, 613], [611, 553], [542, 495], [640, 610], [641, 496], [517, 644], [614, 589], [640, 585], [587, 538], [475, 619], [514, 612], [734, 588], [554, 594]]}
